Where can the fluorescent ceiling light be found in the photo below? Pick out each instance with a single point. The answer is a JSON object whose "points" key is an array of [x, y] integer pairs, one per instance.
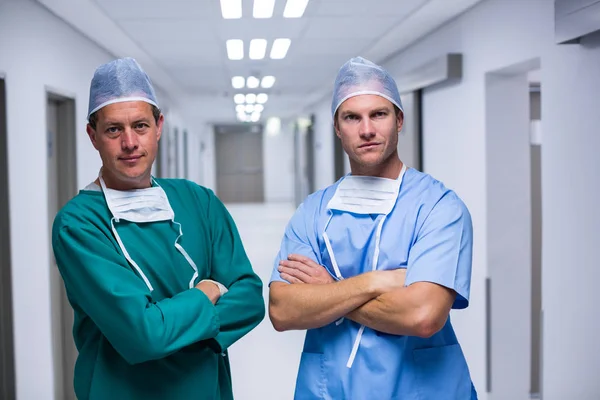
{"points": [[250, 98], [273, 126], [239, 98], [242, 117], [231, 9], [252, 82], [294, 8], [267, 82], [261, 98], [280, 48], [255, 117], [237, 82], [249, 108], [263, 8], [235, 49], [259, 108], [240, 108], [258, 48]]}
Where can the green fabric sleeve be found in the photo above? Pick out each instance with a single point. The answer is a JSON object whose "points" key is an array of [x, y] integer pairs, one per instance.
{"points": [[242, 308], [100, 283]]}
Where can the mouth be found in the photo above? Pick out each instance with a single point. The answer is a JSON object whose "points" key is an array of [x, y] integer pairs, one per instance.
{"points": [[130, 159], [368, 145]]}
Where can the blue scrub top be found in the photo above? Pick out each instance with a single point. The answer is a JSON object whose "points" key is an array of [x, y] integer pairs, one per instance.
{"points": [[429, 232]]}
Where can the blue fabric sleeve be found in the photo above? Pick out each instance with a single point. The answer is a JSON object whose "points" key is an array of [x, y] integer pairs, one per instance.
{"points": [[442, 252], [299, 238]]}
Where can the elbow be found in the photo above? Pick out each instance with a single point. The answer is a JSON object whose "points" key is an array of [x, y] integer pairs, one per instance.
{"points": [[427, 324], [138, 346], [278, 320], [140, 353]]}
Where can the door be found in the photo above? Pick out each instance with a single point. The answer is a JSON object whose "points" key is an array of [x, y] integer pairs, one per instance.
{"points": [[409, 138], [61, 174], [536, 238], [239, 163], [7, 364]]}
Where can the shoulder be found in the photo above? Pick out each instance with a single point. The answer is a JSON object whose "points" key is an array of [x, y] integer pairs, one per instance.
{"points": [[85, 207], [317, 201], [183, 188], [434, 198]]}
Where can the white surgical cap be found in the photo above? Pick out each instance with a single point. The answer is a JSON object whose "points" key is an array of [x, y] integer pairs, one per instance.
{"points": [[360, 76], [118, 81]]}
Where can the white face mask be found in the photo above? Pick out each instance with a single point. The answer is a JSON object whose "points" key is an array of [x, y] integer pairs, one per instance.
{"points": [[366, 194], [141, 206]]}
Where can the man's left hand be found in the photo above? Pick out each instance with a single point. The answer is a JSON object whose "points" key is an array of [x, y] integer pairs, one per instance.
{"points": [[300, 269]]}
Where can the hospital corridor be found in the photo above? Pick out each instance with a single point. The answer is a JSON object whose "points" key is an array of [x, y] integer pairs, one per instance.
{"points": [[299, 199]]}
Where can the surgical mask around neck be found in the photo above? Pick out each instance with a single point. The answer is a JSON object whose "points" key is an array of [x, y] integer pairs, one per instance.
{"points": [[138, 205], [366, 194]]}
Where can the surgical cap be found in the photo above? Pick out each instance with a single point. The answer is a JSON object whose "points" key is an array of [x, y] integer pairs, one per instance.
{"points": [[118, 81], [360, 76]]}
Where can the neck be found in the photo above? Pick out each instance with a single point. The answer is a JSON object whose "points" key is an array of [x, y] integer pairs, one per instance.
{"points": [[112, 182], [389, 169]]}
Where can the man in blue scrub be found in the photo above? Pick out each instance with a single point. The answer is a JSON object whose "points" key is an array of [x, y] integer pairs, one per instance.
{"points": [[372, 265]]}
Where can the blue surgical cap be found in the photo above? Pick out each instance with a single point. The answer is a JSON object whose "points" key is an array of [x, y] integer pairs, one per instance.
{"points": [[360, 76], [118, 81]]}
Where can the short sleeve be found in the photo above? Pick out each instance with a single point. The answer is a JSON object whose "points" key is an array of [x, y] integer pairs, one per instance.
{"points": [[442, 252], [299, 238]]}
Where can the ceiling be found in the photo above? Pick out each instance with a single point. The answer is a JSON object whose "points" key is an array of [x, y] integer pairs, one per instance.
{"points": [[181, 44]]}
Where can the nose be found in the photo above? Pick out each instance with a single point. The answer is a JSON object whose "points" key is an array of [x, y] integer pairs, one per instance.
{"points": [[367, 128], [129, 140]]}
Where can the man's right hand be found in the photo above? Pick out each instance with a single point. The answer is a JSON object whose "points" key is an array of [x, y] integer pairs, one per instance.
{"points": [[210, 290]]}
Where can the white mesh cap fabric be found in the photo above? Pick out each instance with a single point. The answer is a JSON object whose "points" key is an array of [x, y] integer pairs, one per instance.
{"points": [[118, 81], [360, 76]]}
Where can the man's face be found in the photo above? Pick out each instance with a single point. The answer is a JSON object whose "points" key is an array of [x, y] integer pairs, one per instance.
{"points": [[368, 127], [126, 136]]}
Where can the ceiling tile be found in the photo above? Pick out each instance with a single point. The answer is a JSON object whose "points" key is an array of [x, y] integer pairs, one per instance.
{"points": [[168, 30], [190, 54], [318, 47], [265, 28], [348, 27], [162, 9], [388, 8]]}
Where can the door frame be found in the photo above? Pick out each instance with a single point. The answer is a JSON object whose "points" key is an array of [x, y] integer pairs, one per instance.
{"points": [[66, 153], [7, 355]]}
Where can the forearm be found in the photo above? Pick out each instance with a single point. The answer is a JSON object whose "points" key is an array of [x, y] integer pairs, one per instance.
{"points": [[239, 310], [405, 311], [162, 328], [308, 306]]}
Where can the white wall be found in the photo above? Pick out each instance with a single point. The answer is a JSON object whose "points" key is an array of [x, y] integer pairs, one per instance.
{"points": [[278, 165], [324, 142], [509, 243], [37, 50]]}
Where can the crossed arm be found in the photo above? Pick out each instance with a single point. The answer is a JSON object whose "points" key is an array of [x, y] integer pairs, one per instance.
{"points": [[376, 299]]}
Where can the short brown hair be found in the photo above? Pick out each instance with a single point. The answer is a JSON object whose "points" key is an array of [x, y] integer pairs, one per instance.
{"points": [[93, 119]]}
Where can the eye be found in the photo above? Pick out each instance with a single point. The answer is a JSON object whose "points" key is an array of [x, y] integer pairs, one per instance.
{"points": [[350, 117], [141, 125], [113, 130], [380, 114]]}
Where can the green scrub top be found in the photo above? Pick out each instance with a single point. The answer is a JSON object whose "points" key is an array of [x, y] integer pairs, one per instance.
{"points": [[170, 343]]}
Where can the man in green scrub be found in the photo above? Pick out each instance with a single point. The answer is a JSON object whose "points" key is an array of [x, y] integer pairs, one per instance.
{"points": [[154, 268]]}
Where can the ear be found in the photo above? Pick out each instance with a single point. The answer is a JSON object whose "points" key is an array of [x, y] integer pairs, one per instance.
{"points": [[159, 126], [337, 128], [92, 134], [400, 120]]}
